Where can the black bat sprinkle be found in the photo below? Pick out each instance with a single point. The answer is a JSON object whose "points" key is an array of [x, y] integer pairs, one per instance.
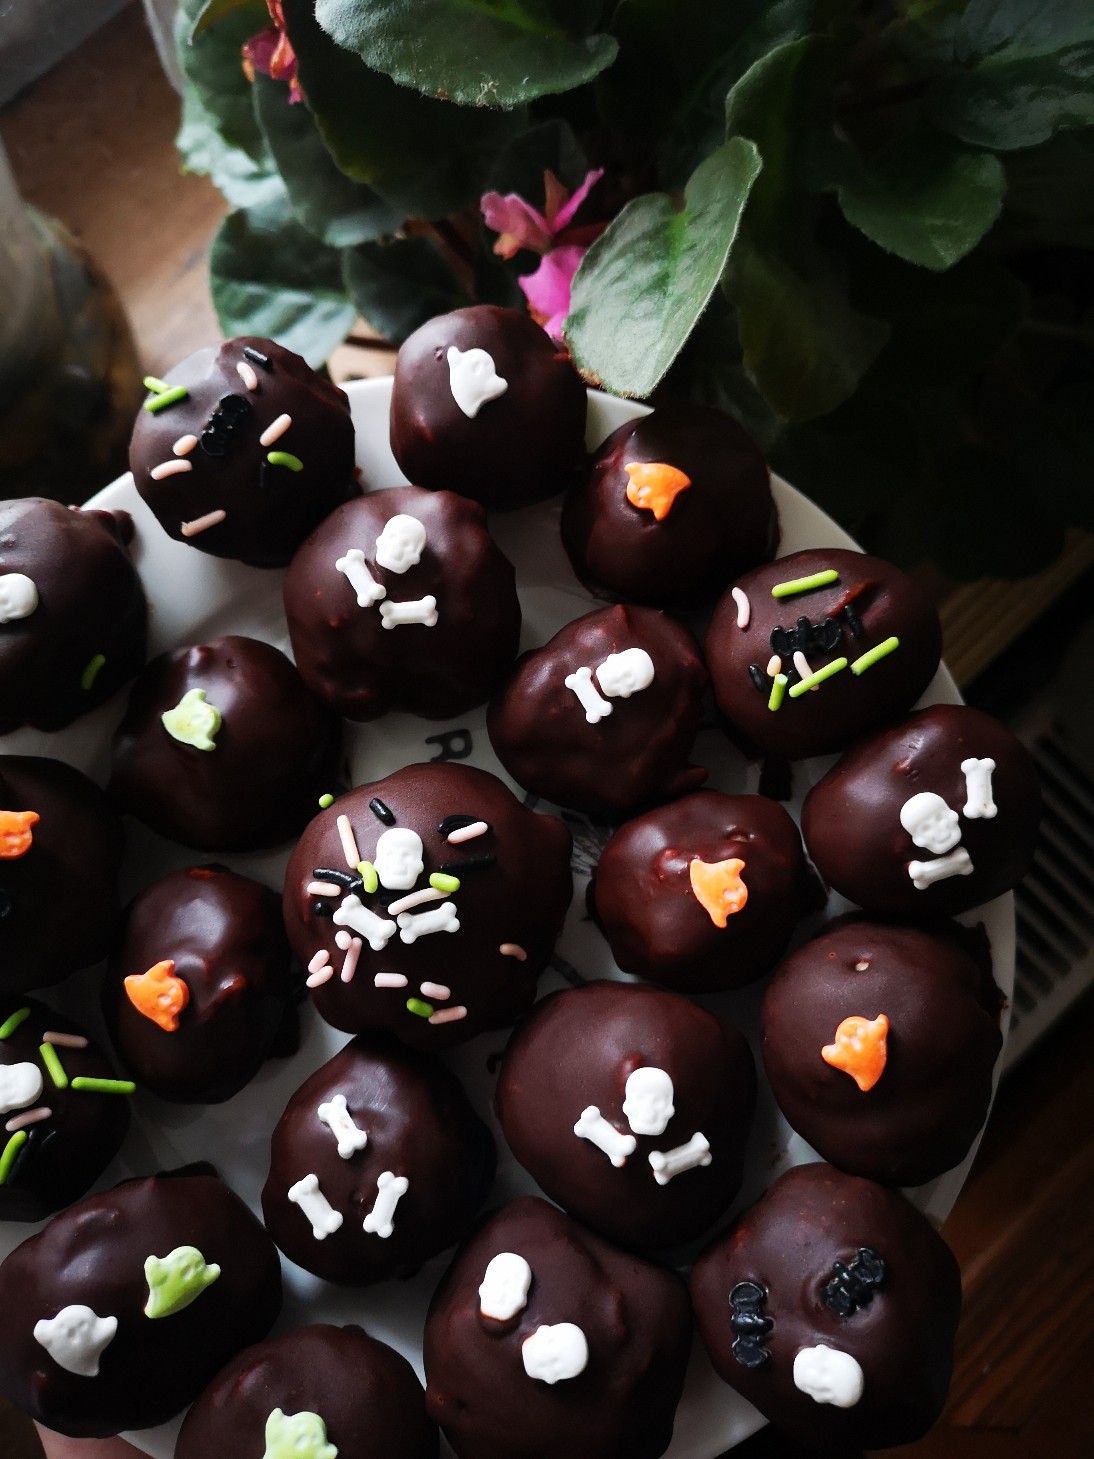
{"points": [[750, 1325], [854, 1286]]}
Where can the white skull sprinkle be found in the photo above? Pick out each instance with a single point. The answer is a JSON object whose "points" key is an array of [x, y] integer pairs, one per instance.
{"points": [[930, 822], [624, 674], [648, 1105], [401, 543], [398, 859], [828, 1376], [18, 596], [473, 379], [20, 1085], [503, 1291], [76, 1338], [554, 1352]]}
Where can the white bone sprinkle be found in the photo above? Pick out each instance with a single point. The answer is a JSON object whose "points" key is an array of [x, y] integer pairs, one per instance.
{"points": [[979, 804], [416, 610], [355, 568], [390, 1189], [667, 1163], [441, 919], [581, 683], [592, 1126], [926, 873], [334, 1113], [377, 931], [325, 1220]]}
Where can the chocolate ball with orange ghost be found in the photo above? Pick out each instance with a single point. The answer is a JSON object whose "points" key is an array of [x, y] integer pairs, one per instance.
{"points": [[198, 986]]}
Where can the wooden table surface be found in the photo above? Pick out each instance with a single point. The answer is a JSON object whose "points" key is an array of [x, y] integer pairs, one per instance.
{"points": [[92, 143]]}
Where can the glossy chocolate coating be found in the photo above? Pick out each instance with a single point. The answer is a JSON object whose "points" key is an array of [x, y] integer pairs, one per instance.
{"points": [[275, 753], [642, 898], [59, 898], [635, 1320], [901, 1336], [717, 528], [94, 1255], [90, 604], [515, 887], [270, 508], [578, 1048], [347, 656], [420, 1126], [885, 601], [224, 934], [68, 1151], [867, 788], [634, 755], [927, 1107], [367, 1395], [520, 447]]}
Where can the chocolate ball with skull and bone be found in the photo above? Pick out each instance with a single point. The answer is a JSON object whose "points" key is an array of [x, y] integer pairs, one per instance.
{"points": [[880, 1042], [631, 1107], [832, 1306], [377, 1164], [701, 894], [677, 504], [318, 1392], [543, 1340], [223, 747], [61, 849], [853, 628], [402, 600], [64, 1111], [944, 808], [199, 986], [427, 904], [485, 403], [73, 616], [603, 717], [242, 450], [121, 1310]]}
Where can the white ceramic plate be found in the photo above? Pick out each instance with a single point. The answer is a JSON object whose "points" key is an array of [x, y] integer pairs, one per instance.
{"points": [[194, 597]]}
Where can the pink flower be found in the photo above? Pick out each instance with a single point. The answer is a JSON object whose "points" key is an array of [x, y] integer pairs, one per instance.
{"points": [[548, 289], [271, 52]]}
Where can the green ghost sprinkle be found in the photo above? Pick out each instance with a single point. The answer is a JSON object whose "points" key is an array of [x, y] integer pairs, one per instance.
{"points": [[192, 721], [297, 1436], [176, 1280]]}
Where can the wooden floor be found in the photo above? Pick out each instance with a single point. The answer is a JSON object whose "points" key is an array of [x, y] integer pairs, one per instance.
{"points": [[92, 143]]}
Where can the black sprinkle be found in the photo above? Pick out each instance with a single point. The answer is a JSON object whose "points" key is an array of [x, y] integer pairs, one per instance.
{"points": [[455, 823], [344, 879], [749, 1324], [257, 357], [381, 811], [224, 423], [758, 677], [853, 1286], [322, 909], [829, 635], [854, 622], [780, 642], [473, 863]]}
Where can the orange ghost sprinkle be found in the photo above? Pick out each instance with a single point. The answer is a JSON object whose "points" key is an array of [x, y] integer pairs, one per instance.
{"points": [[15, 833], [654, 485], [859, 1049], [159, 995], [718, 887]]}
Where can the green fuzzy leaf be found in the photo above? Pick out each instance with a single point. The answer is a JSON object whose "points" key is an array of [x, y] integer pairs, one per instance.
{"points": [[210, 11], [269, 276], [496, 53], [646, 280], [925, 198], [398, 285]]}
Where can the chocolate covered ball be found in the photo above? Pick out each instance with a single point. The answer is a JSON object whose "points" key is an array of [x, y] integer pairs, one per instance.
{"points": [[198, 984], [121, 1310], [486, 403], [544, 1340], [427, 904], [677, 504], [832, 1306], [856, 629], [603, 717], [879, 1043], [73, 616], [402, 600], [929, 818], [65, 1112], [701, 894], [60, 853], [242, 450], [630, 1107], [223, 747], [377, 1164], [319, 1392]]}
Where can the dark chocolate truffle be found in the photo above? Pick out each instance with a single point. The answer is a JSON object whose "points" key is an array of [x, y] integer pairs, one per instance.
{"points": [[243, 451], [832, 1306], [59, 1133], [377, 1164], [544, 1340], [487, 404], [879, 1043], [929, 818], [558, 735], [198, 984], [318, 1392], [125, 1306], [72, 612], [869, 635], [427, 904], [677, 504], [631, 1107], [402, 600], [223, 747], [701, 894], [60, 852]]}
